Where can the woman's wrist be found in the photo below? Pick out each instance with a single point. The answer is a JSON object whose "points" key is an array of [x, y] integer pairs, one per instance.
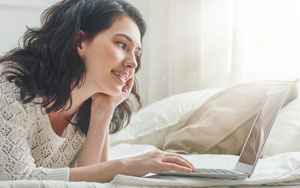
{"points": [[122, 165], [100, 109], [100, 172], [102, 105]]}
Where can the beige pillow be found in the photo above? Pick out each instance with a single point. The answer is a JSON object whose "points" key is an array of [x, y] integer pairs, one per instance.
{"points": [[152, 123], [221, 125]]}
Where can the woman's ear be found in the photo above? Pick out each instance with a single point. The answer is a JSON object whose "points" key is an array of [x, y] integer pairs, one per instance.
{"points": [[80, 43]]}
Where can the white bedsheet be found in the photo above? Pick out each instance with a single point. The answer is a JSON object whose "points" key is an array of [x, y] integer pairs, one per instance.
{"points": [[281, 169]]}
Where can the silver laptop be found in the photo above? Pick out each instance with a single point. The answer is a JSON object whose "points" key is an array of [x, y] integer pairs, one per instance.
{"points": [[254, 144]]}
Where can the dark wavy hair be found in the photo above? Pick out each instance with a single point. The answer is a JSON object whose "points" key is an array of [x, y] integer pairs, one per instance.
{"points": [[47, 63]]}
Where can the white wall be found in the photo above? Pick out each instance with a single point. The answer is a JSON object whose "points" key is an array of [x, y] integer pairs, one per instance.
{"points": [[15, 15]]}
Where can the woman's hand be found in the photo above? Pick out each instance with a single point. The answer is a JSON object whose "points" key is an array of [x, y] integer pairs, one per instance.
{"points": [[100, 99], [141, 165], [156, 161]]}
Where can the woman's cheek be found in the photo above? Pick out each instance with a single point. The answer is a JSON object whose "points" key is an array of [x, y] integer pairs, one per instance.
{"points": [[116, 54]]}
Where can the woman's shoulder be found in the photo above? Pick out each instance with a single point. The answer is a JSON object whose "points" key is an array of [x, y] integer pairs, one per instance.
{"points": [[7, 67], [7, 88], [9, 91]]}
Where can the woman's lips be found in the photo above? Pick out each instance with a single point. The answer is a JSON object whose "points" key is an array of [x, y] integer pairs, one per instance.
{"points": [[122, 75]]}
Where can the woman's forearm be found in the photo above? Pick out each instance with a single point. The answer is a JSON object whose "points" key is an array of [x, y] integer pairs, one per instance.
{"points": [[96, 143], [104, 156], [100, 172]]}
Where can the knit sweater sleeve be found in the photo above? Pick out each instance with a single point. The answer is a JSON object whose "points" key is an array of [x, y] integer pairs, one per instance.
{"points": [[15, 153]]}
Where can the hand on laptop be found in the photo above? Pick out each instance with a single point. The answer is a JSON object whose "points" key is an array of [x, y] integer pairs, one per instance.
{"points": [[156, 161]]}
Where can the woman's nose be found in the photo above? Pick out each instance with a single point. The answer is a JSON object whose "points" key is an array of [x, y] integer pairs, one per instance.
{"points": [[130, 62]]}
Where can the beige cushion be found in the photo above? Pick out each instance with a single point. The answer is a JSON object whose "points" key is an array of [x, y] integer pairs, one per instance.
{"points": [[151, 124], [222, 123]]}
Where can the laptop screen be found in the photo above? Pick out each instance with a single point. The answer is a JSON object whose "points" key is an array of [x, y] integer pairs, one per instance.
{"points": [[261, 128]]}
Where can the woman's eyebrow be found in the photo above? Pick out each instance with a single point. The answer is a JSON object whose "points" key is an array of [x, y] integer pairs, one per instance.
{"points": [[128, 38]]}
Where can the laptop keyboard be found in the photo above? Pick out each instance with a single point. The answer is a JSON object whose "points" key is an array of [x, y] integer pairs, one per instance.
{"points": [[215, 171]]}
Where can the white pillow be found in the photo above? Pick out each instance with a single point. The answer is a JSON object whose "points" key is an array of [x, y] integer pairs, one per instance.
{"points": [[151, 123]]}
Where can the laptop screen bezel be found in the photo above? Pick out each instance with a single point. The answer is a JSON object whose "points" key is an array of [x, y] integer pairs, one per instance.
{"points": [[246, 168]]}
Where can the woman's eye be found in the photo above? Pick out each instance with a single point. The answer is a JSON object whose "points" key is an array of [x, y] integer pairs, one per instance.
{"points": [[122, 45]]}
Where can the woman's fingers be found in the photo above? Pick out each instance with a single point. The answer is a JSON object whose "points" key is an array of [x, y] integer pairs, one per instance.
{"points": [[179, 161], [170, 161], [128, 85], [129, 82], [182, 158], [155, 161], [175, 167]]}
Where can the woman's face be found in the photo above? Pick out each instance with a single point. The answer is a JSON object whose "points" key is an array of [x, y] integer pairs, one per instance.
{"points": [[111, 56]]}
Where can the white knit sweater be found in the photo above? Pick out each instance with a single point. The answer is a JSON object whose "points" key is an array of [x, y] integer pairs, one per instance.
{"points": [[29, 148]]}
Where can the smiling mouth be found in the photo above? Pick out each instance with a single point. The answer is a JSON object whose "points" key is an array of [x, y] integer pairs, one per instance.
{"points": [[121, 77]]}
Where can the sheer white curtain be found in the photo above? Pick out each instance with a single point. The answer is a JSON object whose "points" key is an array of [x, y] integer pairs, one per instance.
{"points": [[266, 40], [198, 44]]}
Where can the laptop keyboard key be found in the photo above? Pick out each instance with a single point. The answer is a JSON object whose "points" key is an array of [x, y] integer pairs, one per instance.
{"points": [[215, 171]]}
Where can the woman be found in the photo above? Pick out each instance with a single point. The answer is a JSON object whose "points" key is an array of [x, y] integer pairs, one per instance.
{"points": [[67, 88]]}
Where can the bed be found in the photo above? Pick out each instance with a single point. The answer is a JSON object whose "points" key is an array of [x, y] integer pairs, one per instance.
{"points": [[152, 126]]}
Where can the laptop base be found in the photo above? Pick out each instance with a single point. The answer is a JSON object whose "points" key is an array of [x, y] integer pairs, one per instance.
{"points": [[197, 174]]}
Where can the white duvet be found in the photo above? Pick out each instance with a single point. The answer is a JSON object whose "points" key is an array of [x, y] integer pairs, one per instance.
{"points": [[279, 169]]}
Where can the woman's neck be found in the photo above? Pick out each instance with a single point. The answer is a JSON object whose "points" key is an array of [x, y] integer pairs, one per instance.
{"points": [[79, 96], [60, 120]]}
